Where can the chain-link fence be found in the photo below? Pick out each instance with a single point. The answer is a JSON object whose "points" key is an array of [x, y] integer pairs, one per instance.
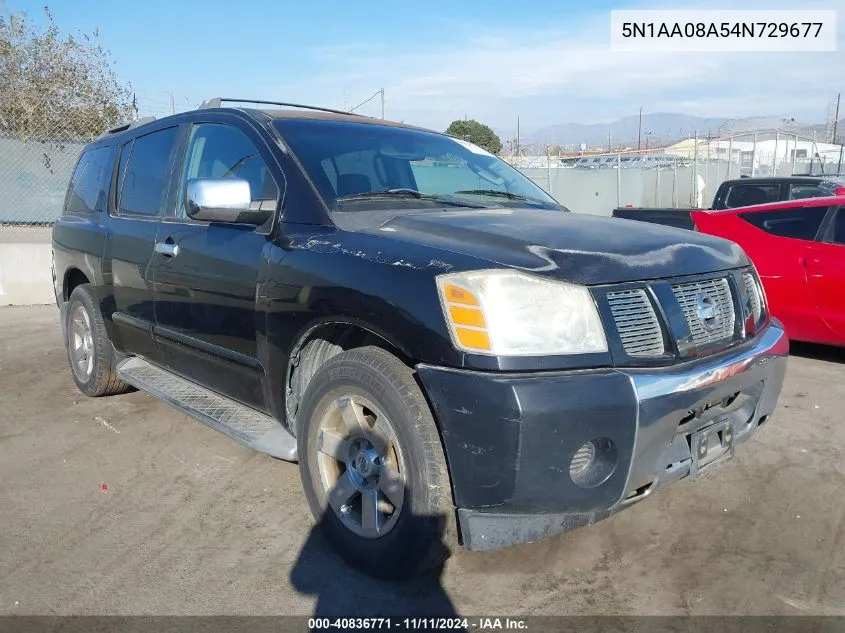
{"points": [[686, 174], [36, 163]]}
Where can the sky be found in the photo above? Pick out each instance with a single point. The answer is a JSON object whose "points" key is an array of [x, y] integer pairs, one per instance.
{"points": [[545, 61]]}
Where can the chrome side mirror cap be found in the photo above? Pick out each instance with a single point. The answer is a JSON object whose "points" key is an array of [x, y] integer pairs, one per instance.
{"points": [[219, 200]]}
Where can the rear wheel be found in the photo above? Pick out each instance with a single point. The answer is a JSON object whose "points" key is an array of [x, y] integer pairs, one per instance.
{"points": [[372, 465], [90, 352]]}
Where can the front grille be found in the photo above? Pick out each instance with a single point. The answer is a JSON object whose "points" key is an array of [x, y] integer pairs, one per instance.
{"points": [[637, 323], [709, 310], [753, 294]]}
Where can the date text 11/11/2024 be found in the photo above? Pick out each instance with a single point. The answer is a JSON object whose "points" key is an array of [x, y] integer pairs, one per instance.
{"points": [[417, 624]]}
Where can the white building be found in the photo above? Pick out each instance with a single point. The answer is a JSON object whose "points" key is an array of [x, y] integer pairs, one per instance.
{"points": [[761, 156]]}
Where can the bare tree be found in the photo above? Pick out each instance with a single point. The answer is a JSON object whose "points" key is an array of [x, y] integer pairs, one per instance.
{"points": [[53, 87]]}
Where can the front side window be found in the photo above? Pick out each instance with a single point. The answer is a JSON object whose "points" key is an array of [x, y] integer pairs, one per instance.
{"points": [[144, 171], [801, 223], [373, 167], [746, 195], [838, 232], [86, 185], [218, 150]]}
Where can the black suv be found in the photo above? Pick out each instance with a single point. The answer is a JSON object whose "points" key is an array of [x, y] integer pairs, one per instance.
{"points": [[447, 353]]}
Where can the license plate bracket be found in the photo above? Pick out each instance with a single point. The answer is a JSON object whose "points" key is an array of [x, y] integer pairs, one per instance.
{"points": [[711, 446]]}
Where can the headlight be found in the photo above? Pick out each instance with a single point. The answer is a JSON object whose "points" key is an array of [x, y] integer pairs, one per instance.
{"points": [[756, 306], [509, 313]]}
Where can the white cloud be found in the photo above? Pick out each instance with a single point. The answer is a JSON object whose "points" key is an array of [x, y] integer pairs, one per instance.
{"points": [[568, 73]]}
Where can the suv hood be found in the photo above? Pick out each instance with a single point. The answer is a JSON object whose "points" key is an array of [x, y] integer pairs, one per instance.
{"points": [[579, 248]]}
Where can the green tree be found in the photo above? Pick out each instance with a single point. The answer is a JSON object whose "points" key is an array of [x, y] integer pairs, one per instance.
{"points": [[54, 87], [475, 132]]}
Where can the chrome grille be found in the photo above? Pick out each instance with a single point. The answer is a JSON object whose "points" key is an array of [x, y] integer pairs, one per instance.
{"points": [[709, 310], [637, 323], [753, 294]]}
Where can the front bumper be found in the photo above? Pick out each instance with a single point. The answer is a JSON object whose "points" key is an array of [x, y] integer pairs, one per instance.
{"points": [[510, 438]]}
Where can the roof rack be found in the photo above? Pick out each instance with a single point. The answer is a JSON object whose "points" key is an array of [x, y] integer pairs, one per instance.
{"points": [[217, 102], [127, 126]]}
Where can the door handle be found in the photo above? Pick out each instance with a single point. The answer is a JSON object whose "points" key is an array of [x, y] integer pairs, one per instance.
{"points": [[167, 248]]}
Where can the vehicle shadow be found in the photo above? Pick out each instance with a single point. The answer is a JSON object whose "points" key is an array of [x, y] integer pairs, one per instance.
{"points": [[342, 591], [816, 351]]}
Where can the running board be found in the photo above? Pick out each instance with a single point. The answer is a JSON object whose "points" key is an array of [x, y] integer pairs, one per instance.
{"points": [[243, 424]]}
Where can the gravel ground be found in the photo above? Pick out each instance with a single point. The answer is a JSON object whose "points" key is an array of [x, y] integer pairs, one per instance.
{"points": [[123, 505]]}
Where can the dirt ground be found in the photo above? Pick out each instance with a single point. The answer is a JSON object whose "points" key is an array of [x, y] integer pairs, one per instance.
{"points": [[122, 505]]}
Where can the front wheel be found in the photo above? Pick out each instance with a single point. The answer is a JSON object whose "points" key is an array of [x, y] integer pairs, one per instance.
{"points": [[372, 465]]}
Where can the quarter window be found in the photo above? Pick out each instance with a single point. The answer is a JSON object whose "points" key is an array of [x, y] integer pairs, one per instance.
{"points": [[86, 185], [144, 171], [801, 224]]}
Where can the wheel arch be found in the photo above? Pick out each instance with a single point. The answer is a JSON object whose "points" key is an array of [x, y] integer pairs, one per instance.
{"points": [[73, 277], [320, 342]]}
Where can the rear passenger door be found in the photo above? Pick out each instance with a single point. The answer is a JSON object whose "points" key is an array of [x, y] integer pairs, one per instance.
{"points": [[207, 274], [139, 194], [826, 273]]}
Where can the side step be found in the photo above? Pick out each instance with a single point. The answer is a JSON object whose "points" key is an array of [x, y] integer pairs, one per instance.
{"points": [[241, 423]]}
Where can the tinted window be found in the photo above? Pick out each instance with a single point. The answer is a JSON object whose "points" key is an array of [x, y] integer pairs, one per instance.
{"points": [[745, 195], [222, 151], [796, 192], [839, 227], [146, 173], [86, 185], [801, 224]]}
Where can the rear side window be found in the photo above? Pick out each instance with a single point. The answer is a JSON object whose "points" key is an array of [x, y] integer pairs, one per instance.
{"points": [[144, 172], [745, 195], [801, 224], [86, 192]]}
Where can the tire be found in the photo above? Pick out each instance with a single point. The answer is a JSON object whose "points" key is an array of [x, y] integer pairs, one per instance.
{"points": [[413, 510], [90, 352]]}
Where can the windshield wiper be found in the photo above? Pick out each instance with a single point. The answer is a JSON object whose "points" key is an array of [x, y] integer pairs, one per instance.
{"points": [[501, 194], [410, 193]]}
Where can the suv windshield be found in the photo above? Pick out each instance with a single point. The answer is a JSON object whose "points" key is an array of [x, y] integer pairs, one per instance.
{"points": [[372, 167]]}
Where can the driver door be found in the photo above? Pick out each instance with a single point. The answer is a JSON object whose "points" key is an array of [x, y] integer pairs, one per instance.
{"points": [[207, 274], [826, 274]]}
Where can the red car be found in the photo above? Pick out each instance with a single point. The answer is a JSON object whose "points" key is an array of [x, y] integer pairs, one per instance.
{"points": [[798, 248]]}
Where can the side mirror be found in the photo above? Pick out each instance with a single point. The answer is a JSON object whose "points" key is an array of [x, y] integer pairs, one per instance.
{"points": [[222, 200]]}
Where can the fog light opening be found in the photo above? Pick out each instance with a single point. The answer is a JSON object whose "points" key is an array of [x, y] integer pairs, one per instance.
{"points": [[593, 463]]}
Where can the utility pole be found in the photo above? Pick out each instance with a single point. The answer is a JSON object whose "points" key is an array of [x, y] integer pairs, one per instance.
{"points": [[640, 132], [754, 156], [609, 143], [775, 157], [382, 103], [836, 117], [172, 103], [517, 140]]}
